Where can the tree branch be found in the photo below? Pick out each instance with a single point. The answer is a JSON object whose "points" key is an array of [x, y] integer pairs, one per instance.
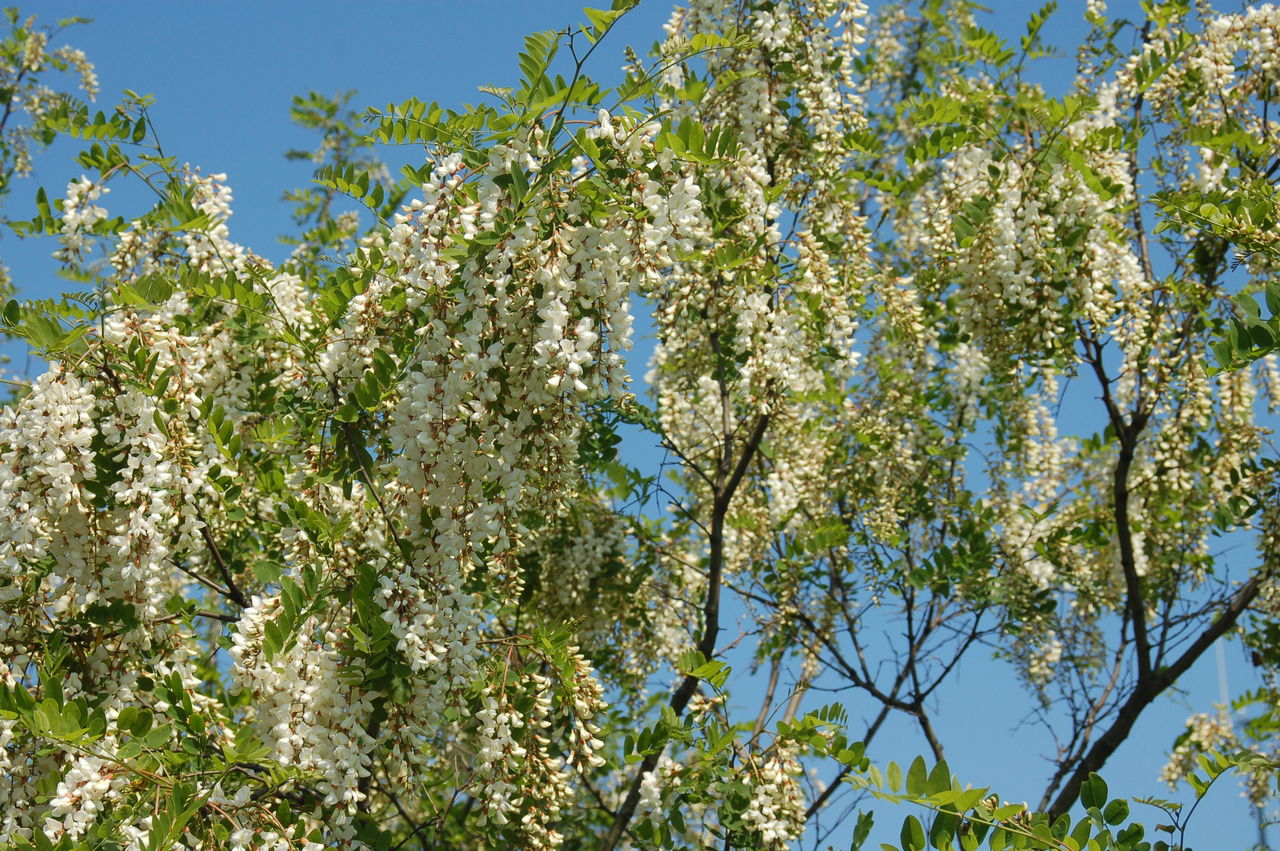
{"points": [[1145, 692], [232, 591], [1127, 432], [711, 619]]}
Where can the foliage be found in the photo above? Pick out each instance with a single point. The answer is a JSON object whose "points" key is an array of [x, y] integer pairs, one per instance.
{"points": [[342, 552]]}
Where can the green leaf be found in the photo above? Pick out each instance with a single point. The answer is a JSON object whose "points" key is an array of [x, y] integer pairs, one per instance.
{"points": [[893, 776], [125, 717], [862, 830], [714, 672], [272, 641], [141, 724], [159, 737], [519, 183], [1116, 812], [1272, 294], [347, 413], [1093, 792], [267, 572], [1249, 306], [917, 777], [602, 19], [912, 834], [939, 778]]}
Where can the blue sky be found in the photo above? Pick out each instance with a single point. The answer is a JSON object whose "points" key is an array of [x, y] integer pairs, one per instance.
{"points": [[223, 74]]}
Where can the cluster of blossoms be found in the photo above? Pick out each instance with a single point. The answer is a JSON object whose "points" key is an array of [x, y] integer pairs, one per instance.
{"points": [[25, 60], [776, 811], [655, 789], [343, 533], [36, 55], [1019, 285], [1204, 732], [500, 755], [46, 454], [1042, 661], [303, 708], [210, 249], [1017, 268], [1036, 250], [779, 324], [114, 488], [1217, 734], [583, 564], [515, 775], [501, 350], [773, 817], [510, 343], [79, 215], [81, 795]]}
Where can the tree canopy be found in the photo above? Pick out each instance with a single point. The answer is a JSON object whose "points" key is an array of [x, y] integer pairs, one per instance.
{"points": [[341, 551]]}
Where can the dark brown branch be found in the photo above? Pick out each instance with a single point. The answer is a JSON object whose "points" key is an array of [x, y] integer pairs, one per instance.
{"points": [[232, 591], [94, 636], [203, 580], [710, 613], [355, 446], [1081, 736], [793, 705], [930, 735], [1134, 599], [1127, 432], [417, 830], [1145, 692]]}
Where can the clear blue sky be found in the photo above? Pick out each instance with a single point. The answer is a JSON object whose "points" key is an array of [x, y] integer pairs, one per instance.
{"points": [[223, 74]]}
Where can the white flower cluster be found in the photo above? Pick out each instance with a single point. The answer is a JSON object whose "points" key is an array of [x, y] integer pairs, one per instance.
{"points": [[971, 369], [512, 333], [26, 63], [776, 811], [84, 790], [142, 497], [76, 59], [744, 338], [499, 756], [350, 353], [655, 789], [1046, 655], [1012, 265], [514, 773], [311, 717], [79, 215], [33, 52], [210, 248], [1204, 732], [1229, 58], [514, 341], [1041, 463], [152, 517], [115, 489], [109, 517], [45, 460], [585, 565]]}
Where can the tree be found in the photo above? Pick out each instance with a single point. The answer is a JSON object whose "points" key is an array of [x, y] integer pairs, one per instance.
{"points": [[342, 552]]}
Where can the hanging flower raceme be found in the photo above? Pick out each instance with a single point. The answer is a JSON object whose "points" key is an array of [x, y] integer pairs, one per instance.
{"points": [[500, 313]]}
